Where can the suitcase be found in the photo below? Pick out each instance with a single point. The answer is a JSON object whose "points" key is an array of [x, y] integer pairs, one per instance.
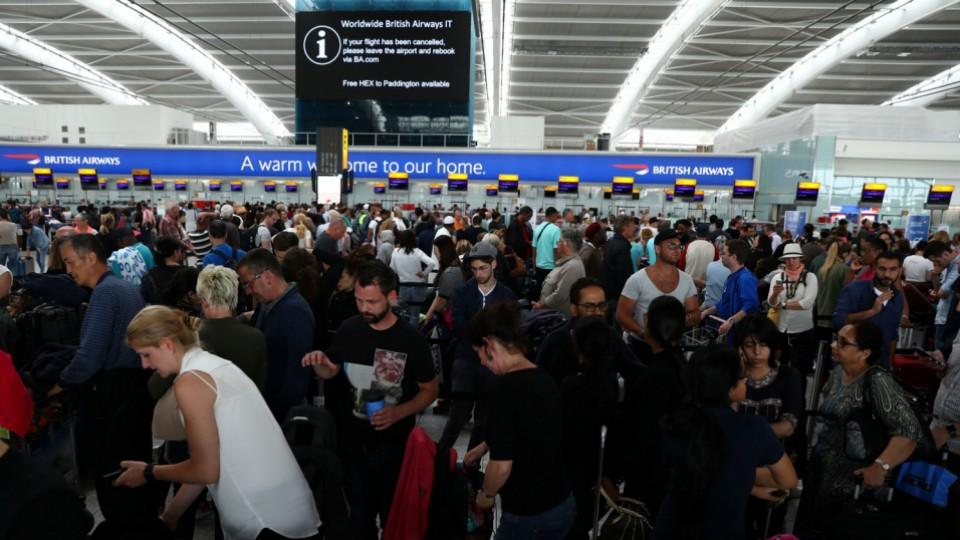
{"points": [[912, 338], [914, 373]]}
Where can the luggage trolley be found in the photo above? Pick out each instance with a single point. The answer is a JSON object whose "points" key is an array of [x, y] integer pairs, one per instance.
{"points": [[702, 336]]}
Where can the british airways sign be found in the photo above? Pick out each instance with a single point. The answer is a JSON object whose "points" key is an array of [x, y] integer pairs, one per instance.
{"points": [[368, 163]]}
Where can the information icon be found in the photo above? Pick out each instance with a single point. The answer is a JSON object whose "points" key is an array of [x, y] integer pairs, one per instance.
{"points": [[321, 45]]}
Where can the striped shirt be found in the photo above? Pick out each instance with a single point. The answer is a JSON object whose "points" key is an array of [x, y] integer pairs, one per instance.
{"points": [[201, 242]]}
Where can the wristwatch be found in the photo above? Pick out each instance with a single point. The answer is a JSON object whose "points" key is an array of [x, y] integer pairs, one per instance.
{"points": [[148, 472], [951, 430], [884, 466]]}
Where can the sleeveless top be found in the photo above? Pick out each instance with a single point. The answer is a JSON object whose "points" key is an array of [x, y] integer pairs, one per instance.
{"points": [[261, 485]]}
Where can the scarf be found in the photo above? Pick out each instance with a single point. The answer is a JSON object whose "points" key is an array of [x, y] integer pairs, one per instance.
{"points": [[794, 276]]}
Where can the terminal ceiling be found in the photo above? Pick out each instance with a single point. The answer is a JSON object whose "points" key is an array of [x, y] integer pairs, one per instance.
{"points": [[567, 62]]}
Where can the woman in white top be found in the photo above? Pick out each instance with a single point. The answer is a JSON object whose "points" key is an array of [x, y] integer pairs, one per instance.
{"points": [[237, 450], [302, 230], [412, 266], [793, 292]]}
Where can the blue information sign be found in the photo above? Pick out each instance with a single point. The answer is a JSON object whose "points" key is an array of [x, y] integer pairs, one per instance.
{"points": [[918, 228], [793, 221], [437, 165]]}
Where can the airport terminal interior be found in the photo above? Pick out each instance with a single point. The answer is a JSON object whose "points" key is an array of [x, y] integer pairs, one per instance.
{"points": [[471, 269]]}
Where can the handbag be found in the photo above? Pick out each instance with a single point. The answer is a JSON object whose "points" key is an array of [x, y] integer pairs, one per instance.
{"points": [[925, 481]]}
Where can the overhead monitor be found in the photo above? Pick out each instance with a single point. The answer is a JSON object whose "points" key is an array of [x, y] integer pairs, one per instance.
{"points": [[214, 185], [939, 197], [744, 189], [236, 185], [684, 188], [159, 185], [269, 186], [550, 192], [456, 182], [607, 193], [384, 55], [63, 183], [379, 188], [569, 185], [508, 183], [102, 183], [873, 193], [88, 179], [291, 187], [436, 189], [491, 191], [179, 185], [42, 178], [698, 196], [141, 177], [807, 193], [622, 185], [123, 184], [636, 194], [668, 195], [399, 181]]}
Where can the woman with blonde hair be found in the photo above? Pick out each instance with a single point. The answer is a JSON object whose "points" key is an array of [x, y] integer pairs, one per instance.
{"points": [[301, 227], [833, 276], [236, 448]]}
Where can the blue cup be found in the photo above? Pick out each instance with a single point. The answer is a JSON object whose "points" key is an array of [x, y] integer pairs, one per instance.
{"points": [[374, 406]]}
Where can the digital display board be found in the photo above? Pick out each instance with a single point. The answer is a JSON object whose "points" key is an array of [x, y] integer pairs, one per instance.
{"points": [[436, 189], [141, 177], [63, 183], [379, 188], [607, 193], [269, 187], [668, 195], [744, 189], [457, 182], [684, 188], [291, 187], [508, 183], [179, 185], [491, 191], [568, 184], [385, 55], [159, 185], [88, 179], [622, 185], [214, 185], [940, 196], [807, 193], [698, 196], [123, 185], [550, 192], [398, 181], [873, 193], [236, 185], [42, 178]]}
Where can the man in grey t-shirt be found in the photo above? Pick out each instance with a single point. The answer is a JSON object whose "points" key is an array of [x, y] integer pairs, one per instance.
{"points": [[661, 278]]}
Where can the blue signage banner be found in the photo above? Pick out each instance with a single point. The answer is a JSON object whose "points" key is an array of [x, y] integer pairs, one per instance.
{"points": [[918, 228], [793, 221], [596, 168]]}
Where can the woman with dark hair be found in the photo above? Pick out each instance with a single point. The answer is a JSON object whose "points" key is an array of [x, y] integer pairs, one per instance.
{"points": [[524, 433], [181, 291], [843, 457], [589, 401], [169, 252], [449, 278], [412, 267], [717, 456], [773, 388], [635, 450], [300, 266]]}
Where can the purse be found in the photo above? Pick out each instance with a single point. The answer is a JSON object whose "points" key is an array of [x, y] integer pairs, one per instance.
{"points": [[925, 481]]}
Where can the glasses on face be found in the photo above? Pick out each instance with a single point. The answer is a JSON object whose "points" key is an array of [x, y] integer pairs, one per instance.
{"points": [[672, 245], [589, 306], [247, 284], [842, 343]]}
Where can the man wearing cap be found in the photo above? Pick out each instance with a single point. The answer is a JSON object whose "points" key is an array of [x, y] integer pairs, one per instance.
{"points": [[793, 291], [545, 236], [591, 253], [469, 377], [35, 502], [447, 229], [659, 279]]}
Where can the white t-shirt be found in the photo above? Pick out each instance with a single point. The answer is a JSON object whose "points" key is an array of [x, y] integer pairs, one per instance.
{"points": [[407, 265], [640, 289], [915, 268], [302, 244]]}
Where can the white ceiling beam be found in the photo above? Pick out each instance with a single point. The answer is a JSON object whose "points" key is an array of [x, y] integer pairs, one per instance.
{"points": [[9, 97], [928, 91], [506, 13], [148, 26], [715, 23], [880, 24], [49, 58], [682, 24]]}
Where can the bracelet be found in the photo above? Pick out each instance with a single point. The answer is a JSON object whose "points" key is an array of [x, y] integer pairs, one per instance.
{"points": [[148, 472]]}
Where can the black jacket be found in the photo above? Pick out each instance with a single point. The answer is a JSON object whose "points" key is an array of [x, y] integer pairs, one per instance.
{"points": [[616, 266]]}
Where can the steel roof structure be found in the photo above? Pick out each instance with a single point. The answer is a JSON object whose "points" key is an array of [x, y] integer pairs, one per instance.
{"points": [[585, 65]]}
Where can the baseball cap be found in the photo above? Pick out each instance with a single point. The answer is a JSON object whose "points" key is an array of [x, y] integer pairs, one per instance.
{"points": [[669, 234], [448, 220], [483, 250]]}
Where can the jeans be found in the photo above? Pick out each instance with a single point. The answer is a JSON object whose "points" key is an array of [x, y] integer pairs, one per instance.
{"points": [[413, 297], [550, 525], [9, 254]]}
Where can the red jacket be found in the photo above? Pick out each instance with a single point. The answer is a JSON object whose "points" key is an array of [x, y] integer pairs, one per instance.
{"points": [[411, 501]]}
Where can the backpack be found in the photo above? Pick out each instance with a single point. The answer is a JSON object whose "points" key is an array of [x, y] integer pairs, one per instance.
{"points": [[228, 262], [248, 238], [311, 433]]}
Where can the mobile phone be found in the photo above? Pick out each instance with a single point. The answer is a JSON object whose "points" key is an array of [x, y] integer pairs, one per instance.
{"points": [[112, 475]]}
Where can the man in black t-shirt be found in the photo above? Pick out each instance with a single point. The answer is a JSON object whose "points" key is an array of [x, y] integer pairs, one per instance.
{"points": [[387, 364]]}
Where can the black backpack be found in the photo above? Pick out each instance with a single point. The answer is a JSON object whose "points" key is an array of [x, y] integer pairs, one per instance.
{"points": [[228, 261], [248, 238], [311, 434]]}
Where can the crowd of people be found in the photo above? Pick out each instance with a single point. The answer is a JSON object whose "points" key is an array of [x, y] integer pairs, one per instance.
{"points": [[683, 356]]}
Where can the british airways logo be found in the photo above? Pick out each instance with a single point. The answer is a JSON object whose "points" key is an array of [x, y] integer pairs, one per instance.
{"points": [[32, 159], [640, 169]]}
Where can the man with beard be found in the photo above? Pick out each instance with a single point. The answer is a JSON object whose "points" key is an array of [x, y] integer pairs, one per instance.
{"points": [[391, 380], [287, 321], [877, 300], [469, 377]]}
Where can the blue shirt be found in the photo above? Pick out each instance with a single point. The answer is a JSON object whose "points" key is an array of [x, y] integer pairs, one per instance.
{"points": [[636, 251], [946, 284], [39, 239], [739, 294], [131, 263], [223, 254], [544, 240], [717, 275], [113, 305], [859, 296], [651, 252]]}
